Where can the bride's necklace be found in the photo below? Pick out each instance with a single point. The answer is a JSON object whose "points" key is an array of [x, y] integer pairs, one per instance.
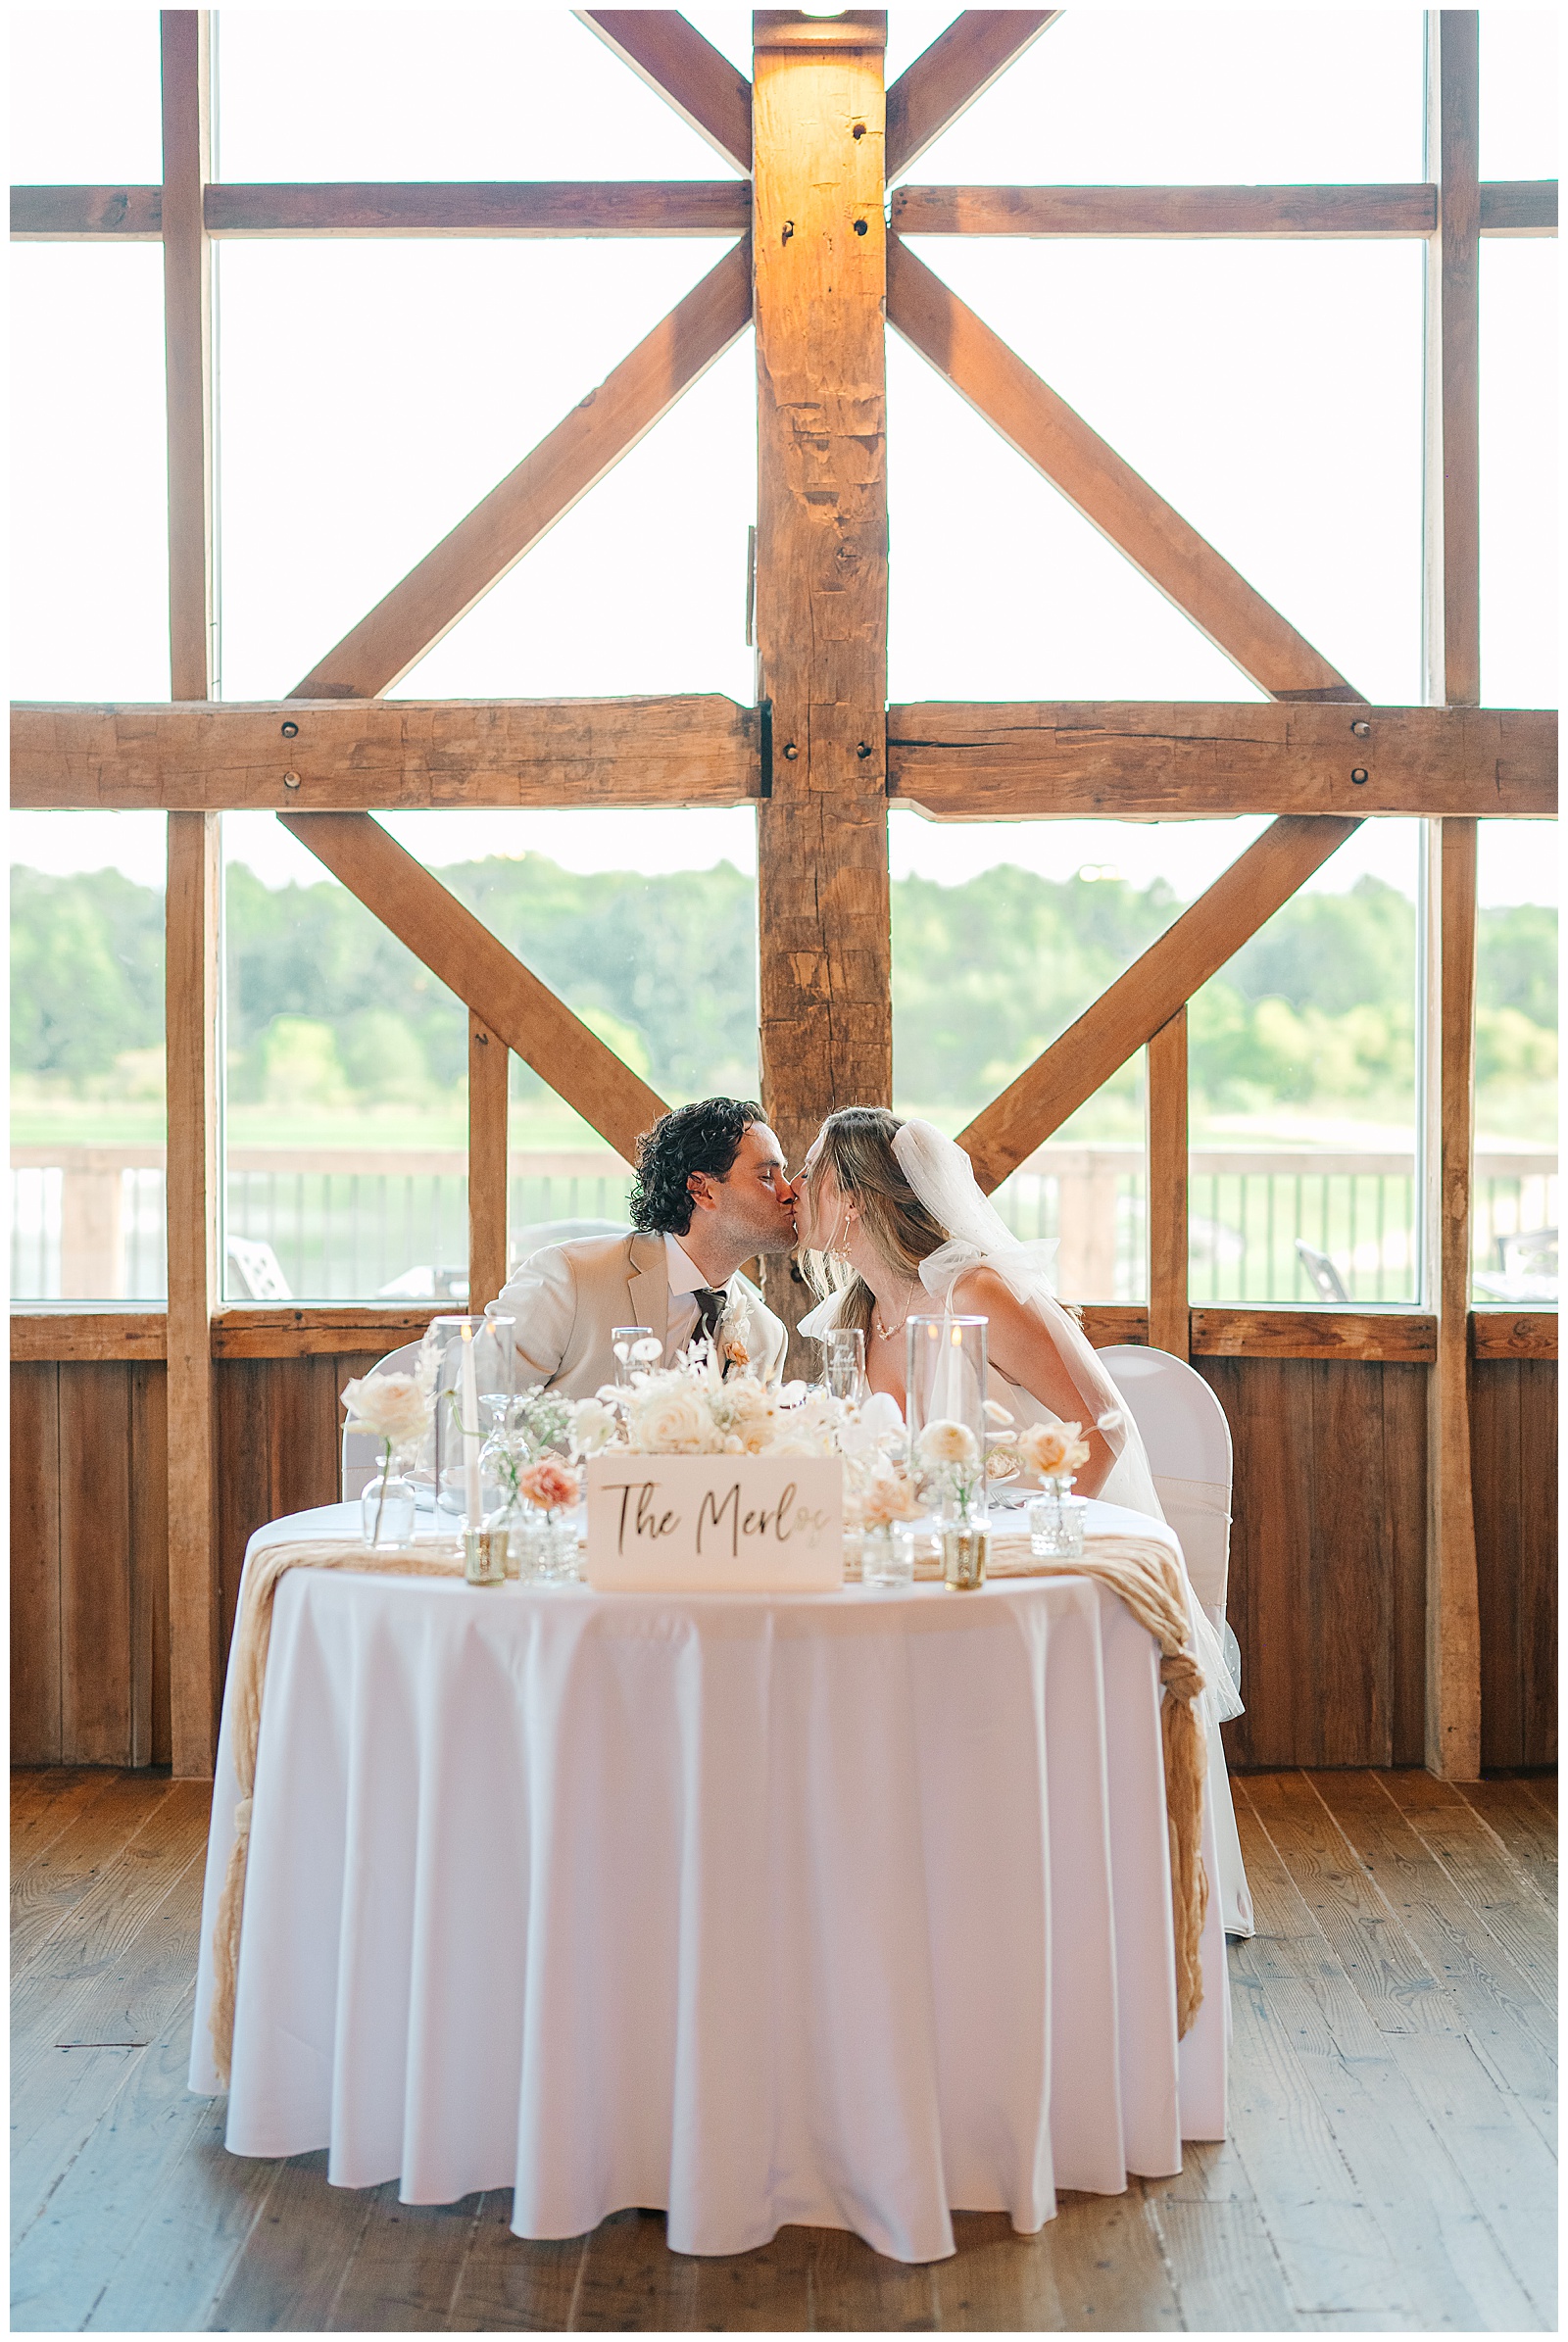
{"points": [[886, 1333]]}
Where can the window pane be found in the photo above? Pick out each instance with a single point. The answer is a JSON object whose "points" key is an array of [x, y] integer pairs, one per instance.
{"points": [[347, 1061], [1518, 94], [89, 600], [1302, 469], [87, 1116], [456, 94], [85, 103], [1519, 432], [1138, 96], [1302, 1057], [1515, 1195], [338, 477], [1002, 934]]}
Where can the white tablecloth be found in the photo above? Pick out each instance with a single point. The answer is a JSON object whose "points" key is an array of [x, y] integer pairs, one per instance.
{"points": [[835, 1908]]}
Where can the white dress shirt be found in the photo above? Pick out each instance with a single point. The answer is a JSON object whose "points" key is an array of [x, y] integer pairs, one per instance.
{"points": [[684, 1279]]}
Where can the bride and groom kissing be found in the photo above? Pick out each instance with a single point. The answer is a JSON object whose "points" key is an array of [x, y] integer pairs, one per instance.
{"points": [[888, 1218]]}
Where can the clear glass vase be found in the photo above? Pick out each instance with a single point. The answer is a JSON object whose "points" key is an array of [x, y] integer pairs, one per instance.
{"points": [[475, 1364], [386, 1511], [1057, 1520], [547, 1546]]}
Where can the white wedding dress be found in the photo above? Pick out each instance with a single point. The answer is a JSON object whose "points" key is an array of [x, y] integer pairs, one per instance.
{"points": [[941, 1175]]}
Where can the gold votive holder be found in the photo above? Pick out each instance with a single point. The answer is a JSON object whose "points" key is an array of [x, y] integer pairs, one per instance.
{"points": [[965, 1545], [484, 1556]]}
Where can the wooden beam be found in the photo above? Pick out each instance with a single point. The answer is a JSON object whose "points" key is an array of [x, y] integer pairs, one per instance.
{"points": [[1510, 1334], [1185, 211], [1166, 1210], [446, 937], [668, 53], [488, 1067], [1452, 658], [478, 553], [191, 903], [946, 79], [482, 208], [1393, 1337], [1518, 207], [188, 348], [722, 208], [321, 1332], [1187, 760], [86, 215], [41, 1336], [191, 1190], [821, 588], [1193, 948], [1451, 636], [388, 755], [1108, 492]]}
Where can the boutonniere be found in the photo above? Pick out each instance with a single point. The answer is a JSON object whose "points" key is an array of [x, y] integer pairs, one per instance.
{"points": [[734, 1334]]}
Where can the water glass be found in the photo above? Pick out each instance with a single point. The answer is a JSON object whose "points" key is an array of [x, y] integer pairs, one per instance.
{"points": [[887, 1556], [843, 1362], [635, 1349]]}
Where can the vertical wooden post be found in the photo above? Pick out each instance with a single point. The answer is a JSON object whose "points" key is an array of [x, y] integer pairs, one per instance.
{"points": [[191, 913], [1169, 1325], [488, 1067], [821, 260], [1451, 643]]}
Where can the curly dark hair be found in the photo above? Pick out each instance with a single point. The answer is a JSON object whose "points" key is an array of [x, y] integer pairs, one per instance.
{"points": [[705, 1137]]}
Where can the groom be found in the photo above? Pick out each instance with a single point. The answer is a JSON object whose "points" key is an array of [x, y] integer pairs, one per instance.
{"points": [[709, 1193]]}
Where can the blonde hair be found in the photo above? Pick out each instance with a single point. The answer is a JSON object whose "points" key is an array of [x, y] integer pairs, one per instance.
{"points": [[858, 1142]]}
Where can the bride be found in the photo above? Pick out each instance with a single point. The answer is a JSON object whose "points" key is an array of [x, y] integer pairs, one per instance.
{"points": [[891, 1220]]}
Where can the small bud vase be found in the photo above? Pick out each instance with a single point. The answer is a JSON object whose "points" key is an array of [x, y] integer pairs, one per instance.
{"points": [[1056, 1520], [386, 1512]]}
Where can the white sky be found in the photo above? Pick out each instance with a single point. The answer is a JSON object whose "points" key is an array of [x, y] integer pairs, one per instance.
{"points": [[371, 392]]}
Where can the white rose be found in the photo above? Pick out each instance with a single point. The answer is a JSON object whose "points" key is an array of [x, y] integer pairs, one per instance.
{"points": [[947, 1443], [671, 1420], [390, 1407], [593, 1426]]}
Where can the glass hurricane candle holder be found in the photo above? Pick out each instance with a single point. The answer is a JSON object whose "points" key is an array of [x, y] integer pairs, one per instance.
{"points": [[475, 1360], [946, 1413]]}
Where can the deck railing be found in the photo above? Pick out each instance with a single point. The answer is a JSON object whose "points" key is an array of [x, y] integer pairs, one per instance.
{"points": [[346, 1224]]}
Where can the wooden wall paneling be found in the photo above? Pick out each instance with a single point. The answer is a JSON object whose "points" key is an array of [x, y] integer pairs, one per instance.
{"points": [[1111, 497], [1352, 1621], [589, 440], [96, 1564], [150, 1719], [36, 1737], [1403, 1503], [1539, 1560], [668, 53], [958, 67], [1159, 983], [1269, 1405], [818, 245], [477, 967], [489, 1062], [1501, 1565], [1169, 1321]]}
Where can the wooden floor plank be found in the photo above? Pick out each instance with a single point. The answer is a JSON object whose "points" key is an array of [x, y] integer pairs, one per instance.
{"points": [[998, 2282], [630, 2283], [1439, 2224], [511, 2285], [41, 1811], [49, 1889], [294, 2259], [855, 2290], [54, 2113], [1471, 1860], [1527, 1830], [406, 2265], [1106, 2267], [768, 2291], [1223, 2266]]}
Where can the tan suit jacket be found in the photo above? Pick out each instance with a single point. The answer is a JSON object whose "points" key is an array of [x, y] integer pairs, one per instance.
{"points": [[568, 1297]]}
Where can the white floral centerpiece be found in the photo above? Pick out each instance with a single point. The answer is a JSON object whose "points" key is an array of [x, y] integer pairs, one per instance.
{"points": [[394, 1408]]}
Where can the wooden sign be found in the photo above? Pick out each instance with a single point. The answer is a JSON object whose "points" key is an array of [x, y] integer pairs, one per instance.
{"points": [[714, 1524]]}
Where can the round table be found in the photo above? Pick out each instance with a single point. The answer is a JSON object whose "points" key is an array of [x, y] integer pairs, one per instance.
{"points": [[845, 1910]]}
